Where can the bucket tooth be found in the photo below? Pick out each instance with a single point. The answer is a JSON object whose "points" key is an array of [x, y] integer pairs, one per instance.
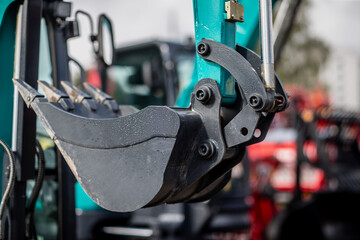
{"points": [[28, 93], [55, 95], [78, 96], [101, 97]]}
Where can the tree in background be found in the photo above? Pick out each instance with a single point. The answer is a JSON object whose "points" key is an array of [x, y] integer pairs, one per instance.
{"points": [[303, 55]]}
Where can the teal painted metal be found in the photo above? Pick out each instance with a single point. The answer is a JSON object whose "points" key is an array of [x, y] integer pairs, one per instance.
{"points": [[210, 23], [7, 50], [83, 201], [247, 33], [3, 6]]}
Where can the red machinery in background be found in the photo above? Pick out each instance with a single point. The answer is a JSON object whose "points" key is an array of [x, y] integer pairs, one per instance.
{"points": [[311, 149]]}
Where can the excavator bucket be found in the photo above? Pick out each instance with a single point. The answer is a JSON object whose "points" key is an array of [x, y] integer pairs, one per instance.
{"points": [[126, 159], [121, 156]]}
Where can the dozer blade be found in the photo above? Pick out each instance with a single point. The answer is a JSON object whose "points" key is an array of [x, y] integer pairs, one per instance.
{"points": [[126, 159]]}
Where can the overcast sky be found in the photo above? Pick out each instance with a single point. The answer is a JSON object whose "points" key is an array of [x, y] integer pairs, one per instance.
{"points": [[335, 21], [135, 21]]}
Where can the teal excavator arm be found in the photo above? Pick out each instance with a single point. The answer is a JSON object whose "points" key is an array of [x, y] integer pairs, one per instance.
{"points": [[212, 23]]}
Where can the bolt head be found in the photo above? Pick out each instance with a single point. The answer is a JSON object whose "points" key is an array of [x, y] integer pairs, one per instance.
{"points": [[255, 101], [206, 149], [203, 49], [203, 94]]}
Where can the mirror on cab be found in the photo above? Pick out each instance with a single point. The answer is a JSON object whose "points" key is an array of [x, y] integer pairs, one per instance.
{"points": [[106, 40]]}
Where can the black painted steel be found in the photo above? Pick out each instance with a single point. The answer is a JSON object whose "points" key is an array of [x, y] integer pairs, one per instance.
{"points": [[246, 69], [248, 80], [129, 159], [26, 121], [142, 153], [55, 14], [266, 120]]}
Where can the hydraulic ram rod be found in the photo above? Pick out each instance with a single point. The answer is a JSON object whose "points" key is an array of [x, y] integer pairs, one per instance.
{"points": [[267, 44]]}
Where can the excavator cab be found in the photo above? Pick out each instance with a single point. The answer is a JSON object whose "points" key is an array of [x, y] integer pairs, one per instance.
{"points": [[140, 75]]}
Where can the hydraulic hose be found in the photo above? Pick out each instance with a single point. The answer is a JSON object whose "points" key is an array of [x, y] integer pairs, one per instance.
{"points": [[35, 193], [10, 184]]}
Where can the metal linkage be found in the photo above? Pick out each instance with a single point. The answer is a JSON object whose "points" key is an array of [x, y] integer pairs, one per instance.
{"points": [[255, 106], [126, 159]]}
